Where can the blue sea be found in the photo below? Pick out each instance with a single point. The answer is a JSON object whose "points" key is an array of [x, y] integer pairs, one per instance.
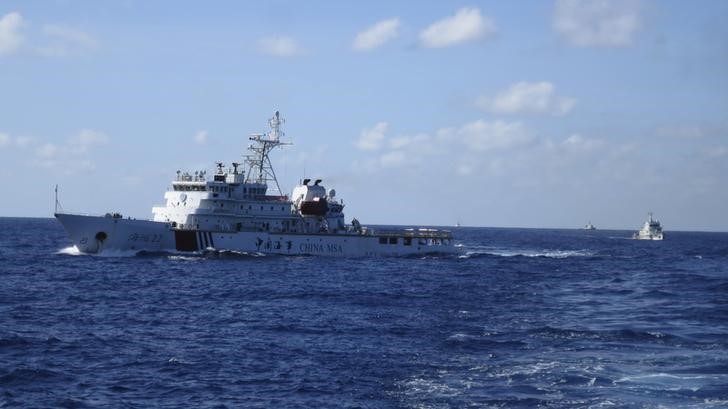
{"points": [[522, 318]]}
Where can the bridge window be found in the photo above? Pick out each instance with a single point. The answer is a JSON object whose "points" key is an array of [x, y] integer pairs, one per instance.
{"points": [[392, 240], [408, 241], [382, 240]]}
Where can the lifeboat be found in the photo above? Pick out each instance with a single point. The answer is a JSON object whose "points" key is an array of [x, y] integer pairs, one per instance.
{"points": [[316, 207]]}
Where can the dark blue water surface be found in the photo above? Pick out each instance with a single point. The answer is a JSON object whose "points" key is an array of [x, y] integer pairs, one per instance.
{"points": [[522, 318]]}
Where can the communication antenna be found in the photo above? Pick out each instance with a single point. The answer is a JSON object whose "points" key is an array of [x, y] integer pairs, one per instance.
{"points": [[58, 204], [260, 169]]}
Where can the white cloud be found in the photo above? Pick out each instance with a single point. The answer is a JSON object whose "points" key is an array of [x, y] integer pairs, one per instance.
{"points": [[717, 152], [455, 144], [602, 23], [464, 169], [47, 151], [4, 139], [24, 141], [55, 40], [404, 141], [319, 154], [65, 41], [525, 97], [466, 25], [481, 135], [372, 139], [279, 46], [70, 156], [19, 141], [11, 39], [578, 143], [201, 137], [81, 142], [393, 159], [377, 35], [88, 137], [681, 132]]}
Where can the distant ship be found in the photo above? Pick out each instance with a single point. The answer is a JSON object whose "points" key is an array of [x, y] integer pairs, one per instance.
{"points": [[589, 226], [651, 230], [234, 211]]}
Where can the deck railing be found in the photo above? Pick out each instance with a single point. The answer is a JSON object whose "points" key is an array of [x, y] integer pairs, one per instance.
{"points": [[419, 233]]}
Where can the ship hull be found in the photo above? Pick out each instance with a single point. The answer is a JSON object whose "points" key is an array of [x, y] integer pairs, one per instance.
{"points": [[648, 236], [95, 234]]}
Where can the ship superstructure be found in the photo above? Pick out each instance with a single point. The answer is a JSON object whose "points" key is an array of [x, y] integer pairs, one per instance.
{"points": [[651, 230], [235, 200], [241, 208]]}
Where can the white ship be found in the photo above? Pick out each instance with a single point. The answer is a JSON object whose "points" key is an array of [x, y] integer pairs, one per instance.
{"points": [[589, 226], [233, 211], [651, 230]]}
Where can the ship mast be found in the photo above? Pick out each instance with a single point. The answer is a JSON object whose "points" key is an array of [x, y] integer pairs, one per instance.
{"points": [[260, 169]]}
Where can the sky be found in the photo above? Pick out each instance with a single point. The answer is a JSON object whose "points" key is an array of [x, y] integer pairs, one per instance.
{"points": [[544, 114]]}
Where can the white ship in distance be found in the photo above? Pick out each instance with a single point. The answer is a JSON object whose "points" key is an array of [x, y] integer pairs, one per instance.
{"points": [[651, 230], [234, 210]]}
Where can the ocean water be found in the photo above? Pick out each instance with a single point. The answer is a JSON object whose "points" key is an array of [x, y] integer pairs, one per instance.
{"points": [[521, 318]]}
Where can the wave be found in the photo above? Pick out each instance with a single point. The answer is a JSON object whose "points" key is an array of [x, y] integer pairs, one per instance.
{"points": [[661, 375], [14, 341], [474, 252], [171, 254], [527, 369], [418, 387], [477, 342], [31, 376], [74, 251], [620, 335], [70, 251], [662, 381], [234, 254]]}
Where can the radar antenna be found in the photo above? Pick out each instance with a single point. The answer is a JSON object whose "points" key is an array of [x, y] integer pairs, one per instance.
{"points": [[260, 169], [275, 126]]}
